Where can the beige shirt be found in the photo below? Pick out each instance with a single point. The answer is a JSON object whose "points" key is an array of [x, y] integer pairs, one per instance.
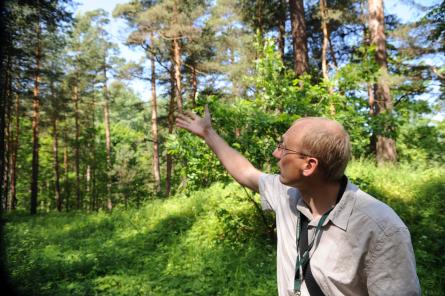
{"points": [[364, 248]]}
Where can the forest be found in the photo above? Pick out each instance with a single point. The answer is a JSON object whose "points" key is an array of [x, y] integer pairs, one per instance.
{"points": [[102, 194]]}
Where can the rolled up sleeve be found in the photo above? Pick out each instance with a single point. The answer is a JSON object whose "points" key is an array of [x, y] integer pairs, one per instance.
{"points": [[270, 186]]}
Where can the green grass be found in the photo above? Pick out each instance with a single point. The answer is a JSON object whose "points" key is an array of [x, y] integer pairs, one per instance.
{"points": [[212, 242]]}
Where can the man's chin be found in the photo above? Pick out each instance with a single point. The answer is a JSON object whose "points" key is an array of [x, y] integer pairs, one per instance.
{"points": [[283, 180], [287, 182]]}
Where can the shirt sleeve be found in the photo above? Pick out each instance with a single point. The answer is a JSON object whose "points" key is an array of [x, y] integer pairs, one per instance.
{"points": [[391, 269], [270, 188]]}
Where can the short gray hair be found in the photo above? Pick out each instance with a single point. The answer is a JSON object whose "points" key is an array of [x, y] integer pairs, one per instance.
{"points": [[328, 141]]}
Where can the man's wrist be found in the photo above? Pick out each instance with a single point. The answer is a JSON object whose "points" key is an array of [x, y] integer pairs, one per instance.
{"points": [[208, 132]]}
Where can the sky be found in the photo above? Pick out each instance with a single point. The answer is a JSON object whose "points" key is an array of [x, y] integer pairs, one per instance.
{"points": [[119, 31]]}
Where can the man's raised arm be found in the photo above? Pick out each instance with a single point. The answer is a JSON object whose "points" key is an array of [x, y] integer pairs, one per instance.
{"points": [[236, 164]]}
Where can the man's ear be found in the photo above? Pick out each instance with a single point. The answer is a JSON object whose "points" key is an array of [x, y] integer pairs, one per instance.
{"points": [[310, 166]]}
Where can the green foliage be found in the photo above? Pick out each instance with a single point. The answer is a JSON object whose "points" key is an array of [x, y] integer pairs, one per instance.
{"points": [[422, 141], [254, 125], [130, 162], [210, 242], [244, 126], [197, 165]]}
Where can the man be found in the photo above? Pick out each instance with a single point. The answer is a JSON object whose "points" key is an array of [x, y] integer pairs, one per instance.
{"points": [[333, 239]]}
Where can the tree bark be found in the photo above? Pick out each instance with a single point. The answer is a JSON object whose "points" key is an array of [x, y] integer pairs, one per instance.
{"points": [[77, 145], [92, 181], [331, 49], [282, 29], [324, 26], [88, 184], [8, 148], [57, 194], [36, 123], [15, 149], [171, 122], [177, 63], [107, 137], [3, 52], [154, 124], [8, 138], [299, 37], [386, 145], [66, 181], [324, 51], [194, 85]]}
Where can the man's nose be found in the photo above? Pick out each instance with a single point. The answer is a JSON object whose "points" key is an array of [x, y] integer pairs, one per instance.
{"points": [[277, 153]]}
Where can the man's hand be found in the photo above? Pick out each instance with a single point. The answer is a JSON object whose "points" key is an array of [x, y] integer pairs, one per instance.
{"points": [[195, 124], [236, 164]]}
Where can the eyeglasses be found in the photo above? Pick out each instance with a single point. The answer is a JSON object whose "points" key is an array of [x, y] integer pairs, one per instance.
{"points": [[281, 148]]}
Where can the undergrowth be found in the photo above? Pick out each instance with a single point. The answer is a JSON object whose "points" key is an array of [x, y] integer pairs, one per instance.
{"points": [[210, 242]]}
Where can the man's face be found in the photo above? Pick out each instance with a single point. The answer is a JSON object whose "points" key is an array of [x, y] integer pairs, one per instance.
{"points": [[290, 158]]}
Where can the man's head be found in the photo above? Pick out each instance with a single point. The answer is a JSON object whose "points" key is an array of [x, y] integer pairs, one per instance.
{"points": [[323, 149]]}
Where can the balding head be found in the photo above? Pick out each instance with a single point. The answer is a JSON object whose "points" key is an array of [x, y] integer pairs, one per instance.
{"points": [[325, 140]]}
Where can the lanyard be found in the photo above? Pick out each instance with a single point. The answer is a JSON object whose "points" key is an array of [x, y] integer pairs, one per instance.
{"points": [[302, 260]]}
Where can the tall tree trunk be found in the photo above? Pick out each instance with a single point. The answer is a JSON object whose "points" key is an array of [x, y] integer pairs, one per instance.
{"points": [[9, 139], [371, 99], [107, 138], [299, 36], [324, 51], [35, 124], [324, 26], [370, 89], [177, 62], [66, 181], [93, 186], [171, 121], [92, 181], [331, 49], [386, 145], [154, 123], [57, 194], [77, 145], [3, 53], [88, 186], [282, 28], [194, 85], [8, 149], [15, 149]]}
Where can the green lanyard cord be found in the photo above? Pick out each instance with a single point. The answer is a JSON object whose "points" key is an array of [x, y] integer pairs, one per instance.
{"points": [[302, 260]]}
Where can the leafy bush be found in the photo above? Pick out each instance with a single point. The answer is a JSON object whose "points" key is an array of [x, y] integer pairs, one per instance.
{"points": [[210, 242]]}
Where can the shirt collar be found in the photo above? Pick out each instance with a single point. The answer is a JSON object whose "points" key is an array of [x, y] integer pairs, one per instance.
{"points": [[339, 216], [342, 211]]}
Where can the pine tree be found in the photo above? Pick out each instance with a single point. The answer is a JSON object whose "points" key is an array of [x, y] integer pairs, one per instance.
{"points": [[130, 12], [299, 37], [385, 146], [42, 18]]}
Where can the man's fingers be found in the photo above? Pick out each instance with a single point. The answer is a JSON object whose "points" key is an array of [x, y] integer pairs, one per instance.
{"points": [[191, 114], [184, 117], [182, 123], [206, 112]]}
